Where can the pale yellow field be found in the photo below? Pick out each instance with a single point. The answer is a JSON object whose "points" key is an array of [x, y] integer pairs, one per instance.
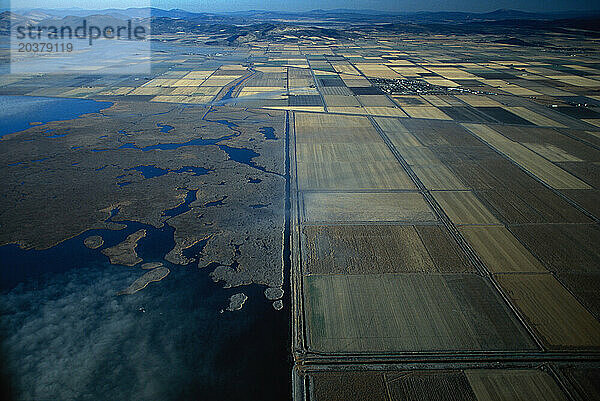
{"points": [[519, 91], [377, 70], [336, 175], [307, 120], [452, 73], [354, 80], [170, 99], [416, 155], [198, 74], [551, 310], [436, 100], [385, 111], [150, 90], [479, 101], [462, 207], [438, 177], [160, 82], [318, 109], [500, 250], [340, 101], [199, 99], [343, 152], [551, 152], [346, 110], [184, 90], [365, 206], [441, 82], [429, 112], [189, 82], [345, 68]]}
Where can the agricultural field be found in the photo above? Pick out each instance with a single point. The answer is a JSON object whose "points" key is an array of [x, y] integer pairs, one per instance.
{"points": [[427, 202], [445, 385], [445, 207]]}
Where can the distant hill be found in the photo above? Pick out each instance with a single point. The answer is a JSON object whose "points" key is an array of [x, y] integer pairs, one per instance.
{"points": [[143, 12], [242, 26]]}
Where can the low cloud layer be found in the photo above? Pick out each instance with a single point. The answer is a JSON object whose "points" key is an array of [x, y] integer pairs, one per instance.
{"points": [[72, 337]]}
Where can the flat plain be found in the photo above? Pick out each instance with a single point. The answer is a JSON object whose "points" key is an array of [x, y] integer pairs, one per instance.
{"points": [[444, 195]]}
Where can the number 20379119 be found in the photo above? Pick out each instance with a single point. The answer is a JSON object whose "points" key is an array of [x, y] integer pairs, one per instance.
{"points": [[43, 47]]}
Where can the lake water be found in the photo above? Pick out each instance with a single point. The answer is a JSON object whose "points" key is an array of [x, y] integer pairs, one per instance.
{"points": [[18, 112], [66, 335]]}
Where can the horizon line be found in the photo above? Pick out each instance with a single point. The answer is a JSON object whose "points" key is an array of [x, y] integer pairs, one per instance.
{"points": [[301, 11]]}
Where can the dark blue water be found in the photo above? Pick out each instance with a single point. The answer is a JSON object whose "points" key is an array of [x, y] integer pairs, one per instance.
{"points": [[218, 202], [240, 155], [225, 122], [184, 207], [171, 146], [149, 171], [152, 171], [165, 128], [17, 112], [169, 341], [65, 334], [268, 133], [27, 265]]}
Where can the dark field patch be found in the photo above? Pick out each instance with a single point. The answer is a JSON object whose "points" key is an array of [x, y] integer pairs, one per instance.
{"points": [[347, 386], [514, 384], [590, 137], [555, 137], [305, 100], [335, 90], [531, 206], [329, 82], [564, 248], [381, 249], [586, 380], [473, 175], [503, 116], [495, 75], [431, 386], [466, 114], [578, 112], [509, 175], [443, 249], [588, 172], [581, 99], [585, 288], [368, 90], [589, 199], [440, 133], [408, 312], [476, 152]]}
